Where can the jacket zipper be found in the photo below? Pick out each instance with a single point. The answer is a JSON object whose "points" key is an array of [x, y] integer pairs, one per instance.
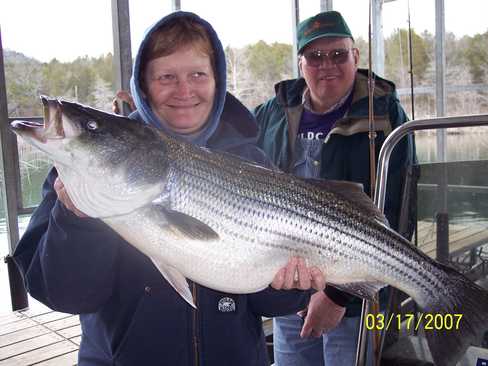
{"points": [[195, 324]]}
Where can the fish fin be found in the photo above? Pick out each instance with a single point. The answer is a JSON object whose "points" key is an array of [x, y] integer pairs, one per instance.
{"points": [[190, 227], [462, 296], [352, 192], [364, 290], [177, 281]]}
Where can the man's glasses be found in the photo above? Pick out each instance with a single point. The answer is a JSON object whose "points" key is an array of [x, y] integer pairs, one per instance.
{"points": [[315, 58]]}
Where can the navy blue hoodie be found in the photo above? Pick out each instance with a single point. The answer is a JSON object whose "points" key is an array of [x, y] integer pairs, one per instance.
{"points": [[129, 314]]}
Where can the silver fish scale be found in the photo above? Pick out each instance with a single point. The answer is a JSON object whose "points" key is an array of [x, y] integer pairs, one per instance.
{"points": [[279, 212]]}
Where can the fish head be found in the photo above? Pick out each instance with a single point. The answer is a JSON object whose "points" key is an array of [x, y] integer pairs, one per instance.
{"points": [[109, 164]]}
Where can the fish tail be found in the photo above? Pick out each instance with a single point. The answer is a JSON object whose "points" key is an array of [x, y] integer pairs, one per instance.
{"points": [[455, 319]]}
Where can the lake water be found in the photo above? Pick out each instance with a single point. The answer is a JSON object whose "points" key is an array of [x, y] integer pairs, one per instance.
{"points": [[466, 144]]}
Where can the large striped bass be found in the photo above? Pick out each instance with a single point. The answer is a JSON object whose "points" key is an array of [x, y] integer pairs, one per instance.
{"points": [[231, 225]]}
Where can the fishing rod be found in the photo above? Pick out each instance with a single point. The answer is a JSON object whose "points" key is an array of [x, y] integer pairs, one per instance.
{"points": [[371, 129], [410, 57], [369, 307]]}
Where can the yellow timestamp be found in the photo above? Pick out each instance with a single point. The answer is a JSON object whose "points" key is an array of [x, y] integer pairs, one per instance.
{"points": [[411, 321]]}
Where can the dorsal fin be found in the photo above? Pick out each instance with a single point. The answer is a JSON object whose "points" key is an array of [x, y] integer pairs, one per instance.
{"points": [[352, 192]]}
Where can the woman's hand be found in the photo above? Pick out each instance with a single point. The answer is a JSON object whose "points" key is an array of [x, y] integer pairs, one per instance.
{"points": [[64, 198]]}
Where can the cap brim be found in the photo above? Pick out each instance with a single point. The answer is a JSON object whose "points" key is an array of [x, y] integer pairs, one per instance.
{"points": [[328, 35]]}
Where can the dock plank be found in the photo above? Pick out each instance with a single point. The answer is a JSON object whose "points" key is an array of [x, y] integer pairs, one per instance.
{"points": [[46, 353], [68, 359], [16, 326], [63, 323], [29, 345], [22, 335], [39, 336], [71, 332], [462, 237], [11, 317], [51, 317]]}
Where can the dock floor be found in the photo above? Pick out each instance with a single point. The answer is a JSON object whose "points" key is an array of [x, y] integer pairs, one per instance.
{"points": [[39, 336], [462, 237], [44, 337]]}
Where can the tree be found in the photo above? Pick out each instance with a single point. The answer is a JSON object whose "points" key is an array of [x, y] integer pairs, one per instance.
{"points": [[265, 65], [54, 78], [397, 57], [103, 67], [477, 57], [272, 62], [102, 95], [362, 46], [22, 75]]}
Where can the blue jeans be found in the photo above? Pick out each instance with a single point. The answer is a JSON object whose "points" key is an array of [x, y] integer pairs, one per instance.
{"points": [[334, 348]]}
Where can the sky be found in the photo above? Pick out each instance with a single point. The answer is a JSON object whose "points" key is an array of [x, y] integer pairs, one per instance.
{"points": [[66, 29]]}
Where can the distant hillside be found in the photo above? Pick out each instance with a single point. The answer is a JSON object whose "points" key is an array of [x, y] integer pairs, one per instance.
{"points": [[18, 57], [86, 79]]}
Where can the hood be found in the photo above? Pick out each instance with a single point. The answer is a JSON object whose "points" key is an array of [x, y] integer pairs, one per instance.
{"points": [[144, 111]]}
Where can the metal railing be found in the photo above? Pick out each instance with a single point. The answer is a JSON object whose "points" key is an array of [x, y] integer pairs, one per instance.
{"points": [[381, 183]]}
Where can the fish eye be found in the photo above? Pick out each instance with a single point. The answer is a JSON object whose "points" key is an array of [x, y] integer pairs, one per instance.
{"points": [[92, 125]]}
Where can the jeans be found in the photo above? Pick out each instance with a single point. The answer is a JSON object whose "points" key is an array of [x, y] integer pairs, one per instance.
{"points": [[334, 348]]}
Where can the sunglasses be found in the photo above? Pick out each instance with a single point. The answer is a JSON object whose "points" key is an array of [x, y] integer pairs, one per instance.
{"points": [[315, 58]]}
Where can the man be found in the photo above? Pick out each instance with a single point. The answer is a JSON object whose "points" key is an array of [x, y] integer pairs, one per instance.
{"points": [[317, 127]]}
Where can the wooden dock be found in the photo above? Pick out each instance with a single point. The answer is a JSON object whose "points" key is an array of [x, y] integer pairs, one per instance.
{"points": [[462, 238], [39, 337], [44, 337]]}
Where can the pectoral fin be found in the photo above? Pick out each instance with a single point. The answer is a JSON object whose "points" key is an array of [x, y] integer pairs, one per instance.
{"points": [[190, 227], [176, 280]]}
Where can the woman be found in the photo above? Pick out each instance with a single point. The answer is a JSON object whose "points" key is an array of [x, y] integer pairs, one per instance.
{"points": [[129, 314]]}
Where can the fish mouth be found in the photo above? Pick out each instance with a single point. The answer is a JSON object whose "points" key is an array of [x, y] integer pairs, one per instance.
{"points": [[51, 128], [34, 130]]}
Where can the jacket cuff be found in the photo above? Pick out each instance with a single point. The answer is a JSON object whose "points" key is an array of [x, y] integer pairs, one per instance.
{"points": [[339, 297]]}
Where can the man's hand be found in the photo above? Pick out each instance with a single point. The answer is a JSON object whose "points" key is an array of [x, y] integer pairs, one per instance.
{"points": [[296, 275], [321, 316], [64, 198]]}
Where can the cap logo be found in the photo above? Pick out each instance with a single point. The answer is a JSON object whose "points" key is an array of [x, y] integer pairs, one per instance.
{"points": [[317, 25], [227, 305]]}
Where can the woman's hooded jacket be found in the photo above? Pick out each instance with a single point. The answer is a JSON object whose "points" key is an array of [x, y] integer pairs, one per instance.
{"points": [[129, 314]]}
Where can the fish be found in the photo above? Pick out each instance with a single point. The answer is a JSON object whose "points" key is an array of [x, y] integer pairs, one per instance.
{"points": [[230, 225]]}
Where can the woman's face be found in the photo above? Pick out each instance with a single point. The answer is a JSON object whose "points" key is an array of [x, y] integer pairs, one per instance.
{"points": [[181, 89]]}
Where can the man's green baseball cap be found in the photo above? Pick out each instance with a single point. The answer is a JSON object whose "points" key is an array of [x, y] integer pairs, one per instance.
{"points": [[326, 24]]}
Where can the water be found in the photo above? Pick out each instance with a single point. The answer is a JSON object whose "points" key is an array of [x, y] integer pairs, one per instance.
{"points": [[463, 144]]}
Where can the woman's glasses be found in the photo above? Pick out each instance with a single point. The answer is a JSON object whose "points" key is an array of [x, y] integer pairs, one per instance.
{"points": [[315, 58]]}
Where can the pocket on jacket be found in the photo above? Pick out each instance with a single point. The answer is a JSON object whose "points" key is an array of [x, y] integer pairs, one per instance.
{"points": [[157, 327], [307, 158]]}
